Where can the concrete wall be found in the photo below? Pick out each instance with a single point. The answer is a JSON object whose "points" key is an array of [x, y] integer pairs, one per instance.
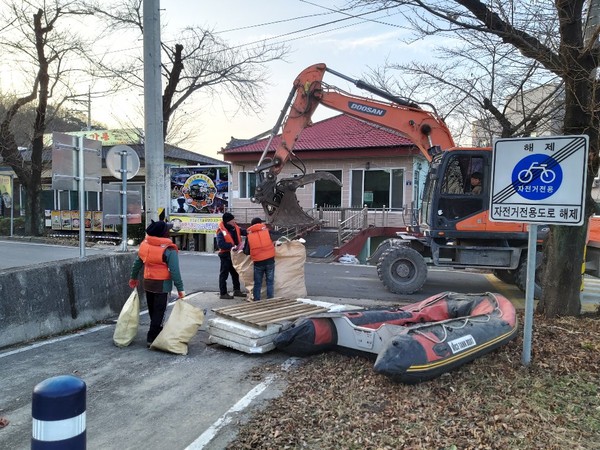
{"points": [[51, 298]]}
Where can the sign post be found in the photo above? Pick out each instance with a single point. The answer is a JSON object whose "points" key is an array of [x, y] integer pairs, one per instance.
{"points": [[538, 181], [76, 166], [123, 163]]}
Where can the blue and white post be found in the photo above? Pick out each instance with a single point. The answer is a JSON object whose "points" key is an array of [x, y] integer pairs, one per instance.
{"points": [[58, 412]]}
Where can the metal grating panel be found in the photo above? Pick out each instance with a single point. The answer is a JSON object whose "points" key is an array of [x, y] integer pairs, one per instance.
{"points": [[265, 312]]}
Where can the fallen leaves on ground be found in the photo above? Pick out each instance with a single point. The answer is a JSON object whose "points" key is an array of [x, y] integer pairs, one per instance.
{"points": [[338, 402]]}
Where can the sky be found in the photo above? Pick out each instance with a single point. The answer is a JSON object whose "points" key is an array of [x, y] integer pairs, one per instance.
{"points": [[352, 46]]}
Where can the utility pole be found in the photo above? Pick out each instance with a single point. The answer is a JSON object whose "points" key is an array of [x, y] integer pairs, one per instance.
{"points": [[153, 142], [89, 111]]}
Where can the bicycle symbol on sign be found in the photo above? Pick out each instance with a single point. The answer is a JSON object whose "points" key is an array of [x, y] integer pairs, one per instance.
{"points": [[536, 177], [547, 176]]}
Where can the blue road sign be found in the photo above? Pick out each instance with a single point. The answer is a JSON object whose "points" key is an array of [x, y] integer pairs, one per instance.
{"points": [[539, 180]]}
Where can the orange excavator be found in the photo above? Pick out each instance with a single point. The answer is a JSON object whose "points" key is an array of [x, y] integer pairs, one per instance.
{"points": [[453, 228], [426, 129]]}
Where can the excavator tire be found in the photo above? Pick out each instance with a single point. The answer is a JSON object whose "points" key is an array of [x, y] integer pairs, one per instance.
{"points": [[506, 275], [382, 248], [402, 270], [521, 275]]}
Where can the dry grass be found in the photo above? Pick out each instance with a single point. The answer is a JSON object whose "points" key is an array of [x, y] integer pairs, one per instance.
{"points": [[339, 402]]}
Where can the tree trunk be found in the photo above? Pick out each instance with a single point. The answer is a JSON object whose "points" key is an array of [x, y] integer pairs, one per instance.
{"points": [[34, 220], [563, 258], [34, 207]]}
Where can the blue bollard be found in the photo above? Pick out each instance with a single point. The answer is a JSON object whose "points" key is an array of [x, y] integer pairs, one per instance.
{"points": [[58, 412]]}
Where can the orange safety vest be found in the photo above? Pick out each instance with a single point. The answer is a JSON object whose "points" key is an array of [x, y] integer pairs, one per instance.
{"points": [[227, 235], [151, 251], [261, 245]]}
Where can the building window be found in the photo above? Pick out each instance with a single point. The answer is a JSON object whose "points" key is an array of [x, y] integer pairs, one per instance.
{"points": [[328, 193], [378, 188], [247, 183]]}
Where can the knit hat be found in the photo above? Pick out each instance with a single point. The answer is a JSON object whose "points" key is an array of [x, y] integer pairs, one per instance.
{"points": [[256, 220], [158, 229], [227, 217]]}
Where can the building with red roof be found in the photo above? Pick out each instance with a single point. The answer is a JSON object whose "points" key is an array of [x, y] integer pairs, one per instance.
{"points": [[378, 167]]}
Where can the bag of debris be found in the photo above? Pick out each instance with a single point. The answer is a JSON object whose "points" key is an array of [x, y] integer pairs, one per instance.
{"points": [[180, 328], [244, 266], [290, 257], [128, 321]]}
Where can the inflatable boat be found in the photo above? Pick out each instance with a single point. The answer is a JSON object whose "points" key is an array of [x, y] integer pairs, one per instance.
{"points": [[415, 343]]}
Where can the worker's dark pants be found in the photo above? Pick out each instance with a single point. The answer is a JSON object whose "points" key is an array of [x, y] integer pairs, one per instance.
{"points": [[157, 305], [267, 271], [226, 269]]}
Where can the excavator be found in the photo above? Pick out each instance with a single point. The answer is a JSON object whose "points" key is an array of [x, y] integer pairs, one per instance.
{"points": [[453, 228]]}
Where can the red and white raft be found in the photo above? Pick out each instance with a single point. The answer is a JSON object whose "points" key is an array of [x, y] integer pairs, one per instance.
{"points": [[416, 343]]}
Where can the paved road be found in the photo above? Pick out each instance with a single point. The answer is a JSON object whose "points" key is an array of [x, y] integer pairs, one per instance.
{"points": [[17, 253], [200, 273]]}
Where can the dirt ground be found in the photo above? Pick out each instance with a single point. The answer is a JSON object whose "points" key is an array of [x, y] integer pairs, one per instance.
{"points": [[339, 402]]}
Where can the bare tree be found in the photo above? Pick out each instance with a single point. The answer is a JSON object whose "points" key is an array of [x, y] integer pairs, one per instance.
{"points": [[33, 38], [64, 120], [550, 34], [483, 82], [198, 60]]}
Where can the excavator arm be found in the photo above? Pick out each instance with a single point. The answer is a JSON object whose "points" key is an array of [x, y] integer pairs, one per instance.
{"points": [[424, 128]]}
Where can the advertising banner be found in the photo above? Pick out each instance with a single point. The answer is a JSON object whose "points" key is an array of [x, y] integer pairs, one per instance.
{"points": [[6, 190], [195, 224], [56, 220], [69, 221], [199, 190]]}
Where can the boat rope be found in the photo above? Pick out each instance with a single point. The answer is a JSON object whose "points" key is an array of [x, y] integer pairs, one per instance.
{"points": [[484, 318]]}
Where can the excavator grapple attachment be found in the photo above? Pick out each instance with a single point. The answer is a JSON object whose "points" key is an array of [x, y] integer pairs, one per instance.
{"points": [[280, 202]]}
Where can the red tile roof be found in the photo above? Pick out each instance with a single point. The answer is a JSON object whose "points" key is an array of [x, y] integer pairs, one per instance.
{"points": [[339, 132]]}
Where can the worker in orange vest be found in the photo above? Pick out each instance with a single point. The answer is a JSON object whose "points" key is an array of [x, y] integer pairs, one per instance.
{"points": [[262, 252], [229, 238], [158, 257]]}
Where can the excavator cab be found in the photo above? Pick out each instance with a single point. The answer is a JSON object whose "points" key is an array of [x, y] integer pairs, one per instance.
{"points": [[455, 191]]}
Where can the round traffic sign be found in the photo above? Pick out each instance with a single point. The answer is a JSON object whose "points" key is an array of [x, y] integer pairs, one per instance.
{"points": [[537, 176], [113, 161]]}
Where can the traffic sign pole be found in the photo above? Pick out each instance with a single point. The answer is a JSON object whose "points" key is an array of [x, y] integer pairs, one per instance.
{"points": [[529, 290], [538, 181], [124, 200]]}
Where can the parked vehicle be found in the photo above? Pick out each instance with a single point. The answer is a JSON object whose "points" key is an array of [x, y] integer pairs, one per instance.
{"points": [[453, 228]]}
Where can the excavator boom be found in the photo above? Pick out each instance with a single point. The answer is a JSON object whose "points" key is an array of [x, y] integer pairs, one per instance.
{"points": [[423, 127]]}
